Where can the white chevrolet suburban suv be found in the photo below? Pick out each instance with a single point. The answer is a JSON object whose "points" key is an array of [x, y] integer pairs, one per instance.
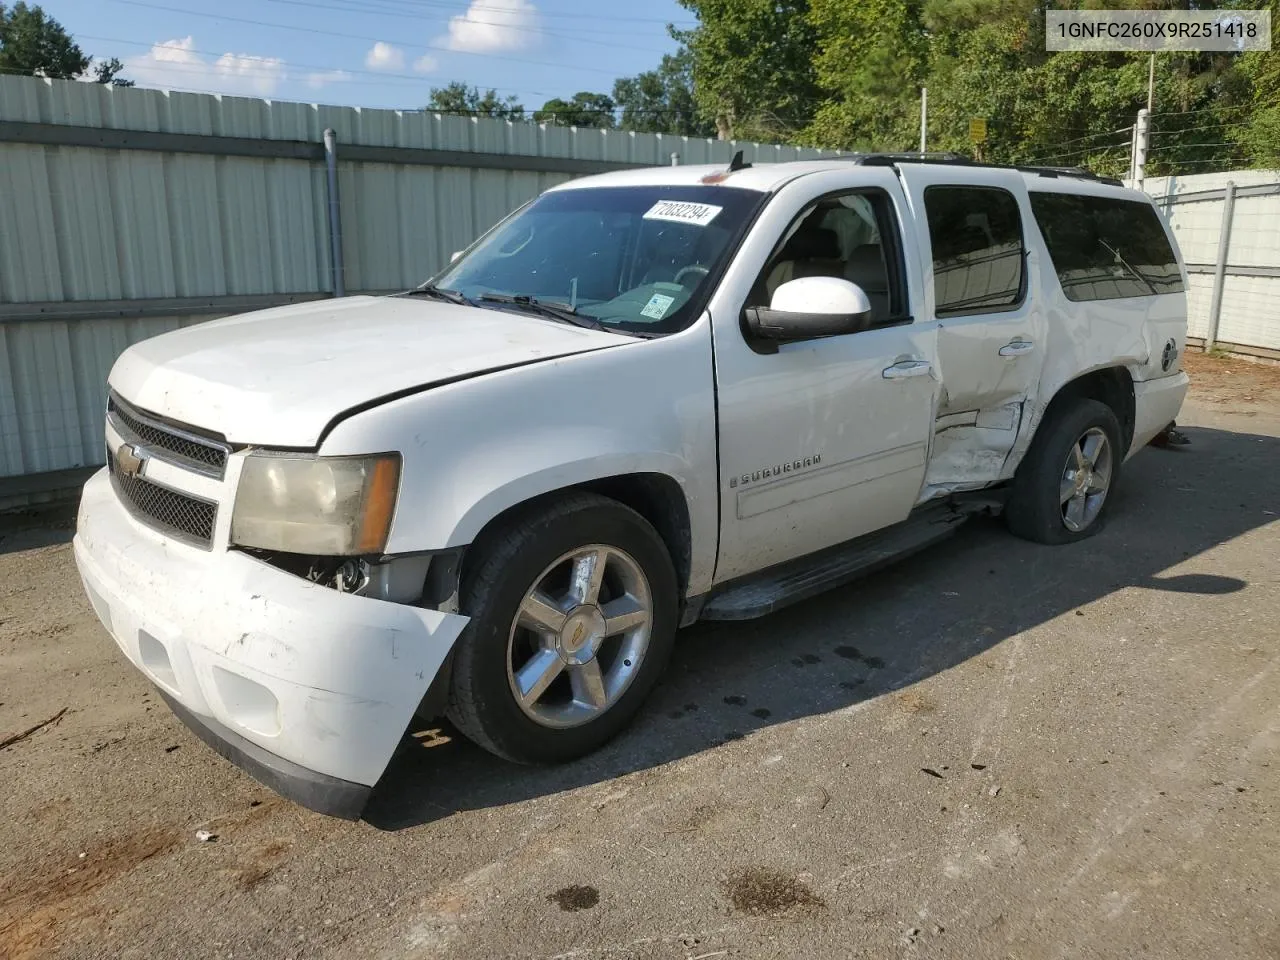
{"points": [[644, 398]]}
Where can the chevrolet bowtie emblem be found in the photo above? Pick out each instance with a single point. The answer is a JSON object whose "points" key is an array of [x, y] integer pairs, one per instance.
{"points": [[129, 460]]}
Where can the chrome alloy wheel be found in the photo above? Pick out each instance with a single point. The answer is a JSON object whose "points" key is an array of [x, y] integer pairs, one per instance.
{"points": [[1086, 479], [579, 636]]}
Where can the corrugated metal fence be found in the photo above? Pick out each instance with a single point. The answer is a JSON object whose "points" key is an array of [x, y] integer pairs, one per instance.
{"points": [[125, 213], [1228, 226]]}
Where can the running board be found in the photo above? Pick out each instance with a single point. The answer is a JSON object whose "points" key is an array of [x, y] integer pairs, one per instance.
{"points": [[787, 583]]}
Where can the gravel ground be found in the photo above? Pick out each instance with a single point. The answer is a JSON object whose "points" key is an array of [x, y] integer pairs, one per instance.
{"points": [[994, 749]]}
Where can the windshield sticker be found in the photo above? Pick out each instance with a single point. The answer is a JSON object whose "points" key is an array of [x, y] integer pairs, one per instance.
{"points": [[657, 306], [699, 214]]}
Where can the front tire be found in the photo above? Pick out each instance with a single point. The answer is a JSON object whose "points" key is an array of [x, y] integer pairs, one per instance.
{"points": [[1062, 490], [573, 608]]}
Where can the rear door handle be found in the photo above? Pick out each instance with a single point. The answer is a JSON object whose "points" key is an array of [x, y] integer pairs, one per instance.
{"points": [[907, 368], [1016, 348]]}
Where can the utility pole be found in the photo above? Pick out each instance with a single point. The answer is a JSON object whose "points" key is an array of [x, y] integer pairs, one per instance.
{"points": [[1151, 83], [924, 116], [1141, 144]]}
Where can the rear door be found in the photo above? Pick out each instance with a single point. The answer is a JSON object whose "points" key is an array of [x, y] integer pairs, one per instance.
{"points": [[980, 289]]}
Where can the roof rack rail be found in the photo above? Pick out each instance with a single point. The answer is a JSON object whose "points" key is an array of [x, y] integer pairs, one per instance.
{"points": [[960, 160]]}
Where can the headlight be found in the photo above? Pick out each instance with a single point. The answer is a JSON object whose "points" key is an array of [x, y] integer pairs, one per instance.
{"points": [[331, 506]]}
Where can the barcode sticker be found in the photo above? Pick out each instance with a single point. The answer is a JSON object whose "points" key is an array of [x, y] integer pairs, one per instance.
{"points": [[681, 211]]}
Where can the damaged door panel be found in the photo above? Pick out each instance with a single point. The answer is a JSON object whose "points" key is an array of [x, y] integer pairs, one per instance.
{"points": [[970, 449]]}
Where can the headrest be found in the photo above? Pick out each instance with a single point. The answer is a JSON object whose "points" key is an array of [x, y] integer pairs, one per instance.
{"points": [[812, 243]]}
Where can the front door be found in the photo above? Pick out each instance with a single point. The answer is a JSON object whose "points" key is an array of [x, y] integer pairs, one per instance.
{"points": [[823, 440], [991, 334]]}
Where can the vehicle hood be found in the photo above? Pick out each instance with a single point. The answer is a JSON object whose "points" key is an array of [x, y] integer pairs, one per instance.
{"points": [[277, 377]]}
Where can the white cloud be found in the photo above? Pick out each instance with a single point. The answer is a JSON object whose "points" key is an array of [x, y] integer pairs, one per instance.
{"points": [[325, 77], [493, 25], [425, 64], [176, 63], [383, 56]]}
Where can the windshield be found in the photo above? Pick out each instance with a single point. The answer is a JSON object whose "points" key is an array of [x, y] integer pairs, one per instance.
{"points": [[632, 258]]}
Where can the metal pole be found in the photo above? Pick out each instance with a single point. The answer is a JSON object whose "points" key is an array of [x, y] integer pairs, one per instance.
{"points": [[924, 116], [1142, 143], [339, 284], [1220, 268]]}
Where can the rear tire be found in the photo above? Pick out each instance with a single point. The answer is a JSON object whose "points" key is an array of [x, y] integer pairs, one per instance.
{"points": [[1060, 494], [537, 675]]}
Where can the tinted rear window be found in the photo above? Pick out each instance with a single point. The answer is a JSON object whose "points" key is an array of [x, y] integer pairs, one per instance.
{"points": [[976, 236], [1106, 249]]}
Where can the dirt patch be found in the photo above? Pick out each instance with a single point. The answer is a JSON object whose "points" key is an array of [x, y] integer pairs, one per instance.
{"points": [[913, 701], [1232, 380], [575, 898], [57, 893], [261, 864], [762, 892]]}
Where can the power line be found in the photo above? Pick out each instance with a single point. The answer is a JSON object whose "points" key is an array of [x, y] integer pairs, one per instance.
{"points": [[541, 12], [448, 11], [1100, 148], [1183, 113], [352, 36], [319, 68], [520, 28], [1094, 136], [1188, 146]]}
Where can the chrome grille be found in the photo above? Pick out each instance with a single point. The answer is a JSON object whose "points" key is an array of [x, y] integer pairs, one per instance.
{"points": [[180, 447], [178, 514]]}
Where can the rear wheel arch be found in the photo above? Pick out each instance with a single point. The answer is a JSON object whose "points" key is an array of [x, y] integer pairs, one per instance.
{"points": [[1112, 386]]}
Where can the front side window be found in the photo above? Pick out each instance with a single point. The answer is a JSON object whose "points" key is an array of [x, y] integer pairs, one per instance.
{"points": [[851, 236], [976, 236], [1104, 248], [638, 259]]}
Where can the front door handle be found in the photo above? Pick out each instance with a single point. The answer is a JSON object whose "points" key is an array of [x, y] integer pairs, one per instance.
{"points": [[1016, 348], [907, 368]]}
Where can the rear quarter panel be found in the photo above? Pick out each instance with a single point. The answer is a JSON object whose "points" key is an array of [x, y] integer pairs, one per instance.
{"points": [[1084, 336]]}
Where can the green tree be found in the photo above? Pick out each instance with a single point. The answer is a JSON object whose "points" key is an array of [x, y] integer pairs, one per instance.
{"points": [[753, 70], [1257, 130], [872, 57], [457, 97], [661, 100], [35, 44], [108, 71], [583, 110]]}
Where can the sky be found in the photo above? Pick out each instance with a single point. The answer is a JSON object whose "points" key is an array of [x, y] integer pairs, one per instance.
{"points": [[374, 53]]}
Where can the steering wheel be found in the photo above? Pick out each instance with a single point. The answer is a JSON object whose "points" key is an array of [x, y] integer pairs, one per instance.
{"points": [[692, 268]]}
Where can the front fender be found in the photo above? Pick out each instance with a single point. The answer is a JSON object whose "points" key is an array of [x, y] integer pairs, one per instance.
{"points": [[475, 448]]}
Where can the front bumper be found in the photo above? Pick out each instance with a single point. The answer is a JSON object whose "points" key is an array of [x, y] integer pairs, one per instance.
{"points": [[306, 688], [1156, 405]]}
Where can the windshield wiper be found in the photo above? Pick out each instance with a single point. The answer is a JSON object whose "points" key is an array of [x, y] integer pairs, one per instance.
{"points": [[560, 312], [1127, 266], [439, 293]]}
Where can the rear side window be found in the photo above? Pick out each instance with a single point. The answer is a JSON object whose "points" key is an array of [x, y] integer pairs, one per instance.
{"points": [[976, 236], [1106, 249]]}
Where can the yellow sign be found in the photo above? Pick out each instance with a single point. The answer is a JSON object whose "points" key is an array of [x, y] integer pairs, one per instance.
{"points": [[977, 129]]}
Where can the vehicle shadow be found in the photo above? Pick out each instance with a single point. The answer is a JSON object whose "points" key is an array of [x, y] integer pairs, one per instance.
{"points": [[920, 617], [34, 527]]}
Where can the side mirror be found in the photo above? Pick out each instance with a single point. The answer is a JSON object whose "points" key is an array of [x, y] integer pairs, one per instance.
{"points": [[811, 307], [455, 255]]}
